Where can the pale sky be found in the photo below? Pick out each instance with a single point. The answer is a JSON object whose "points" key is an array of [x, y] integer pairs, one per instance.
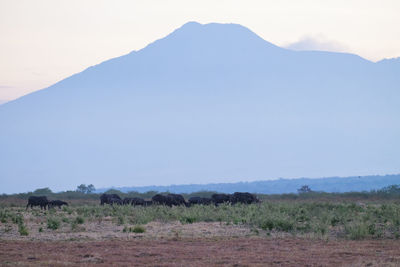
{"points": [[44, 41]]}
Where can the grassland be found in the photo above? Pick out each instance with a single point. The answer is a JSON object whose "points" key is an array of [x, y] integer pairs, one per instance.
{"points": [[308, 217], [316, 229]]}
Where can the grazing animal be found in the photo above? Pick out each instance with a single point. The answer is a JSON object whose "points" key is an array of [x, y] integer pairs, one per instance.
{"points": [[161, 200], [106, 198], [134, 201], [200, 201], [41, 201], [244, 198], [148, 203], [177, 200], [114, 200], [169, 200], [57, 203], [137, 201], [220, 198], [127, 201]]}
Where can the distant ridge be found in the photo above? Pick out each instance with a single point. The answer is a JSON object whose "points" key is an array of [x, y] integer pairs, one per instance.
{"points": [[279, 186]]}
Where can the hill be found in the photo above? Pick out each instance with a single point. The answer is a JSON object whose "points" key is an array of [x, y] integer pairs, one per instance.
{"points": [[207, 103], [279, 186]]}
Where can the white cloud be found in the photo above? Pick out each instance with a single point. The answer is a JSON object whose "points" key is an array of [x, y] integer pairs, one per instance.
{"points": [[318, 42]]}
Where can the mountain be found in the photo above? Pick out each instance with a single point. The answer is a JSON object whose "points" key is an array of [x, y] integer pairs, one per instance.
{"points": [[278, 186], [207, 103]]}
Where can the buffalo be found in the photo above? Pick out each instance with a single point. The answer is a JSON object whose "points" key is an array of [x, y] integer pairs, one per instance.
{"points": [[161, 199], [148, 203], [169, 200], [244, 198], [220, 198], [177, 199], [110, 199], [114, 200], [57, 203], [200, 201], [41, 201], [127, 201], [134, 201]]}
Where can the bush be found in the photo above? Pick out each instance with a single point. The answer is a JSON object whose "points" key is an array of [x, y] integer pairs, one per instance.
{"points": [[137, 229], [53, 223], [120, 220], [79, 220], [357, 231], [187, 220], [17, 219], [22, 230]]}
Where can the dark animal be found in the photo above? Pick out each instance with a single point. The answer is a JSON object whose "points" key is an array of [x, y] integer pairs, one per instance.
{"points": [[57, 203], [106, 198], [177, 200], [169, 200], [37, 201], [114, 200], [220, 198], [200, 201], [127, 201], [148, 203], [135, 201], [244, 198], [161, 200]]}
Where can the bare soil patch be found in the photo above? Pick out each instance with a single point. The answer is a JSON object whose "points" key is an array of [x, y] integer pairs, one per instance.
{"points": [[106, 230], [203, 252]]}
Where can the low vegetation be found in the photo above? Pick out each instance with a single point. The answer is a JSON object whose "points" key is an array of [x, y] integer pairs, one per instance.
{"points": [[321, 219], [351, 216]]}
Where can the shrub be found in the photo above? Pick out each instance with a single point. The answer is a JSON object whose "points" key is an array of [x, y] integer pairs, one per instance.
{"points": [[137, 229], [267, 225], [17, 219], [53, 223], [120, 220], [22, 230], [357, 231], [188, 220], [3, 216], [79, 220]]}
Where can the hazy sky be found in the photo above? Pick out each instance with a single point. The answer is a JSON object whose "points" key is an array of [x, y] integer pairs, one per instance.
{"points": [[44, 41]]}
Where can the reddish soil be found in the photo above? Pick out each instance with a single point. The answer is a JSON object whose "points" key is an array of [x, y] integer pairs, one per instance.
{"points": [[203, 252]]}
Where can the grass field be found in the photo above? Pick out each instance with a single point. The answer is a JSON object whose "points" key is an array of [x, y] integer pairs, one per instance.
{"points": [[319, 219], [312, 230]]}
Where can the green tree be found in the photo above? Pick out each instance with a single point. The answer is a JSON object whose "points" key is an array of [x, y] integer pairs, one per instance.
{"points": [[90, 189], [42, 191], [82, 188], [304, 189], [86, 189]]}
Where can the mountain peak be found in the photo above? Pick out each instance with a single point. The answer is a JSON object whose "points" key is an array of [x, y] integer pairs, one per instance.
{"points": [[191, 24], [212, 36]]}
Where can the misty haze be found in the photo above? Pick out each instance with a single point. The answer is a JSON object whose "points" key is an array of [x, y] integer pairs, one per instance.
{"points": [[206, 104]]}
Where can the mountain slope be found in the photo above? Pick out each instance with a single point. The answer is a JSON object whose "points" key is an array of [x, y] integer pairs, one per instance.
{"points": [[207, 103], [278, 186]]}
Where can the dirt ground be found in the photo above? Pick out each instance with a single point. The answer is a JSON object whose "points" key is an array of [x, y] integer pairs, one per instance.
{"points": [[202, 252], [106, 230]]}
